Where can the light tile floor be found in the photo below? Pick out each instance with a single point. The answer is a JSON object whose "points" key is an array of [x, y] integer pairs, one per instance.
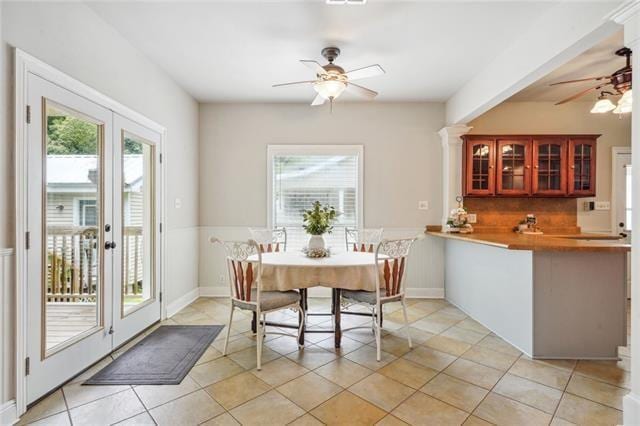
{"points": [[457, 373]]}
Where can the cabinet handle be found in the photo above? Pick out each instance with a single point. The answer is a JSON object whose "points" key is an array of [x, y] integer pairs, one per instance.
{"points": [[527, 167]]}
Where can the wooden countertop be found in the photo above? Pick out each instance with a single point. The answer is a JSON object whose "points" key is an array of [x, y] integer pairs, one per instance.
{"points": [[514, 241]]}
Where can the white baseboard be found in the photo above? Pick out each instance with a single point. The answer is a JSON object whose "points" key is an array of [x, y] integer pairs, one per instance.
{"points": [[182, 302], [425, 293], [8, 413], [412, 293], [631, 409]]}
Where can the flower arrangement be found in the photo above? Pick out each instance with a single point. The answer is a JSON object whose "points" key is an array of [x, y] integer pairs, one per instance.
{"points": [[458, 220], [319, 219]]}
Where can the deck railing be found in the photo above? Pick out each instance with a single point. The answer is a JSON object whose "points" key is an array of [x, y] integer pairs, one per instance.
{"points": [[73, 262]]}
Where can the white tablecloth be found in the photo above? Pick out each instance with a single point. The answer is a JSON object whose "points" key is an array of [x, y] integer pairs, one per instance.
{"points": [[292, 270]]}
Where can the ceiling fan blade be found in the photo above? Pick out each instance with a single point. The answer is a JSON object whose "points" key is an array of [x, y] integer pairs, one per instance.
{"points": [[318, 100], [366, 72], [293, 82], [582, 93], [581, 79], [314, 65], [361, 91]]}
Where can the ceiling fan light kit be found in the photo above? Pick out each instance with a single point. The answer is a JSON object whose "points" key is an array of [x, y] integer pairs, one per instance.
{"points": [[621, 82], [332, 80]]}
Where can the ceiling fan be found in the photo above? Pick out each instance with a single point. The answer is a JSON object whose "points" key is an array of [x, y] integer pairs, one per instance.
{"points": [[620, 82], [331, 79]]}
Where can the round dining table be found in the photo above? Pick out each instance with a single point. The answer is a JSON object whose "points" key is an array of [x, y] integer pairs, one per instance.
{"points": [[351, 270]]}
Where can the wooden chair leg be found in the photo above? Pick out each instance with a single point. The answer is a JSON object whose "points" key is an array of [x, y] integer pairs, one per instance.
{"points": [[226, 339], [302, 318], [406, 322]]}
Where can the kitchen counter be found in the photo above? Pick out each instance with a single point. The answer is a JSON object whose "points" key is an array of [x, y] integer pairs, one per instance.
{"points": [[544, 242], [551, 296]]}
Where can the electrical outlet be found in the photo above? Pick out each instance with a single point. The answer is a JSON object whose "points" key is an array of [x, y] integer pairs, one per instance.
{"points": [[603, 205], [472, 218], [423, 205]]}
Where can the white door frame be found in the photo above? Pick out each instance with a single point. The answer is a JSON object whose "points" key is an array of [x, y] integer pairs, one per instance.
{"points": [[25, 64], [615, 151]]}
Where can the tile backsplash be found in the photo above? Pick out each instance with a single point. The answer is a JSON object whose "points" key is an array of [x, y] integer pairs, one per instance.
{"points": [[555, 215]]}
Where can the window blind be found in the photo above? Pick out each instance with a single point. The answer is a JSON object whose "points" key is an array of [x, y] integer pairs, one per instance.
{"points": [[298, 180]]}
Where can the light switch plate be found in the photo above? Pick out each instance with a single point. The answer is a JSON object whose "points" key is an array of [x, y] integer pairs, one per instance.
{"points": [[603, 205], [472, 218], [423, 205]]}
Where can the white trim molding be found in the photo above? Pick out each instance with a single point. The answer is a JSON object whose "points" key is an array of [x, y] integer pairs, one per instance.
{"points": [[451, 138], [8, 413]]}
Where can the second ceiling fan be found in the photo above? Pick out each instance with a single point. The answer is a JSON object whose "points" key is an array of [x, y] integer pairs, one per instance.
{"points": [[331, 80]]}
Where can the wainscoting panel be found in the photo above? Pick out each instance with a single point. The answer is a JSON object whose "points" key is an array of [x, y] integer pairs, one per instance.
{"points": [[7, 339], [425, 275], [181, 264]]}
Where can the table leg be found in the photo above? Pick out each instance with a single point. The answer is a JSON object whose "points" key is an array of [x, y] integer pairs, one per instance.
{"points": [[303, 305], [336, 310]]}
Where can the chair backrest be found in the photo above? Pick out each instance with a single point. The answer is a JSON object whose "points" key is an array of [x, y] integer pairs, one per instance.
{"points": [[244, 274], [394, 254], [362, 239], [270, 240]]}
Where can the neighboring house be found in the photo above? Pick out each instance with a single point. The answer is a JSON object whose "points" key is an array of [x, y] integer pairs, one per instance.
{"points": [[71, 190]]}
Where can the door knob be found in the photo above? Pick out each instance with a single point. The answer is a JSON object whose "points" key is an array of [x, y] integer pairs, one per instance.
{"points": [[109, 245], [621, 224]]}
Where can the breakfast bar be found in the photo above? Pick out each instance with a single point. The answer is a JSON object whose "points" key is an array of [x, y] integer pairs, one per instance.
{"points": [[551, 296]]}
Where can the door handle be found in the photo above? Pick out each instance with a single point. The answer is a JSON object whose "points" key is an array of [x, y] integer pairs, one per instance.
{"points": [[623, 235], [109, 245]]}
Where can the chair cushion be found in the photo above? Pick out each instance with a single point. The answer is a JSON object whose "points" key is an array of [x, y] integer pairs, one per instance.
{"points": [[270, 300], [369, 297]]}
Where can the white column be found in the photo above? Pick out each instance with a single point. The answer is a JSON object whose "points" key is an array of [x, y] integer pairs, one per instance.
{"points": [[629, 16], [451, 166]]}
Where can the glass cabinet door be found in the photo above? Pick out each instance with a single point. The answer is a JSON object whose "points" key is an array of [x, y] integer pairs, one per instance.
{"points": [[514, 164], [549, 167], [480, 171], [582, 171]]}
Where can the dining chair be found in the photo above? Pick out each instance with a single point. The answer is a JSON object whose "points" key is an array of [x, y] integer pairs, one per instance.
{"points": [[357, 239], [390, 262], [270, 240], [245, 288]]}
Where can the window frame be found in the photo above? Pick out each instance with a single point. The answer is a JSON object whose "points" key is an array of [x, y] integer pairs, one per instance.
{"points": [[276, 150], [77, 207]]}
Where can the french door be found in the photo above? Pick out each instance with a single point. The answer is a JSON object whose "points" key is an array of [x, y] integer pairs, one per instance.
{"points": [[93, 233]]}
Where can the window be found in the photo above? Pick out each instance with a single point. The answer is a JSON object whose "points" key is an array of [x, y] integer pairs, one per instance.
{"points": [[87, 213], [300, 175]]}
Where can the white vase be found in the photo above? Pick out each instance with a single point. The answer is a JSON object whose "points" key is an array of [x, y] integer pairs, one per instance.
{"points": [[316, 242]]}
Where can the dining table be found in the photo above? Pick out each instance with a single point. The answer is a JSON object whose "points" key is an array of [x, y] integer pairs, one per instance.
{"points": [[288, 270]]}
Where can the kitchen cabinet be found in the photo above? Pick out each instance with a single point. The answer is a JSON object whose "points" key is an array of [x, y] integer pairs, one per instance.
{"points": [[480, 167], [529, 165], [549, 175]]}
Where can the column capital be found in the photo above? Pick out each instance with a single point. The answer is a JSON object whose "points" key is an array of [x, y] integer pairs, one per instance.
{"points": [[451, 134]]}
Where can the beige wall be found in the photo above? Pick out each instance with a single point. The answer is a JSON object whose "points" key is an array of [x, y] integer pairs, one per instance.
{"points": [[402, 157], [574, 117], [402, 165]]}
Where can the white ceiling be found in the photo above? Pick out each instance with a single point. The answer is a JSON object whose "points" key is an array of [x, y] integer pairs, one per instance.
{"points": [[235, 51], [598, 61]]}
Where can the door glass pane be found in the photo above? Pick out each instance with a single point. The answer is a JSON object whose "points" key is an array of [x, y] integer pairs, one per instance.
{"points": [[138, 281], [72, 221], [480, 178], [628, 201]]}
